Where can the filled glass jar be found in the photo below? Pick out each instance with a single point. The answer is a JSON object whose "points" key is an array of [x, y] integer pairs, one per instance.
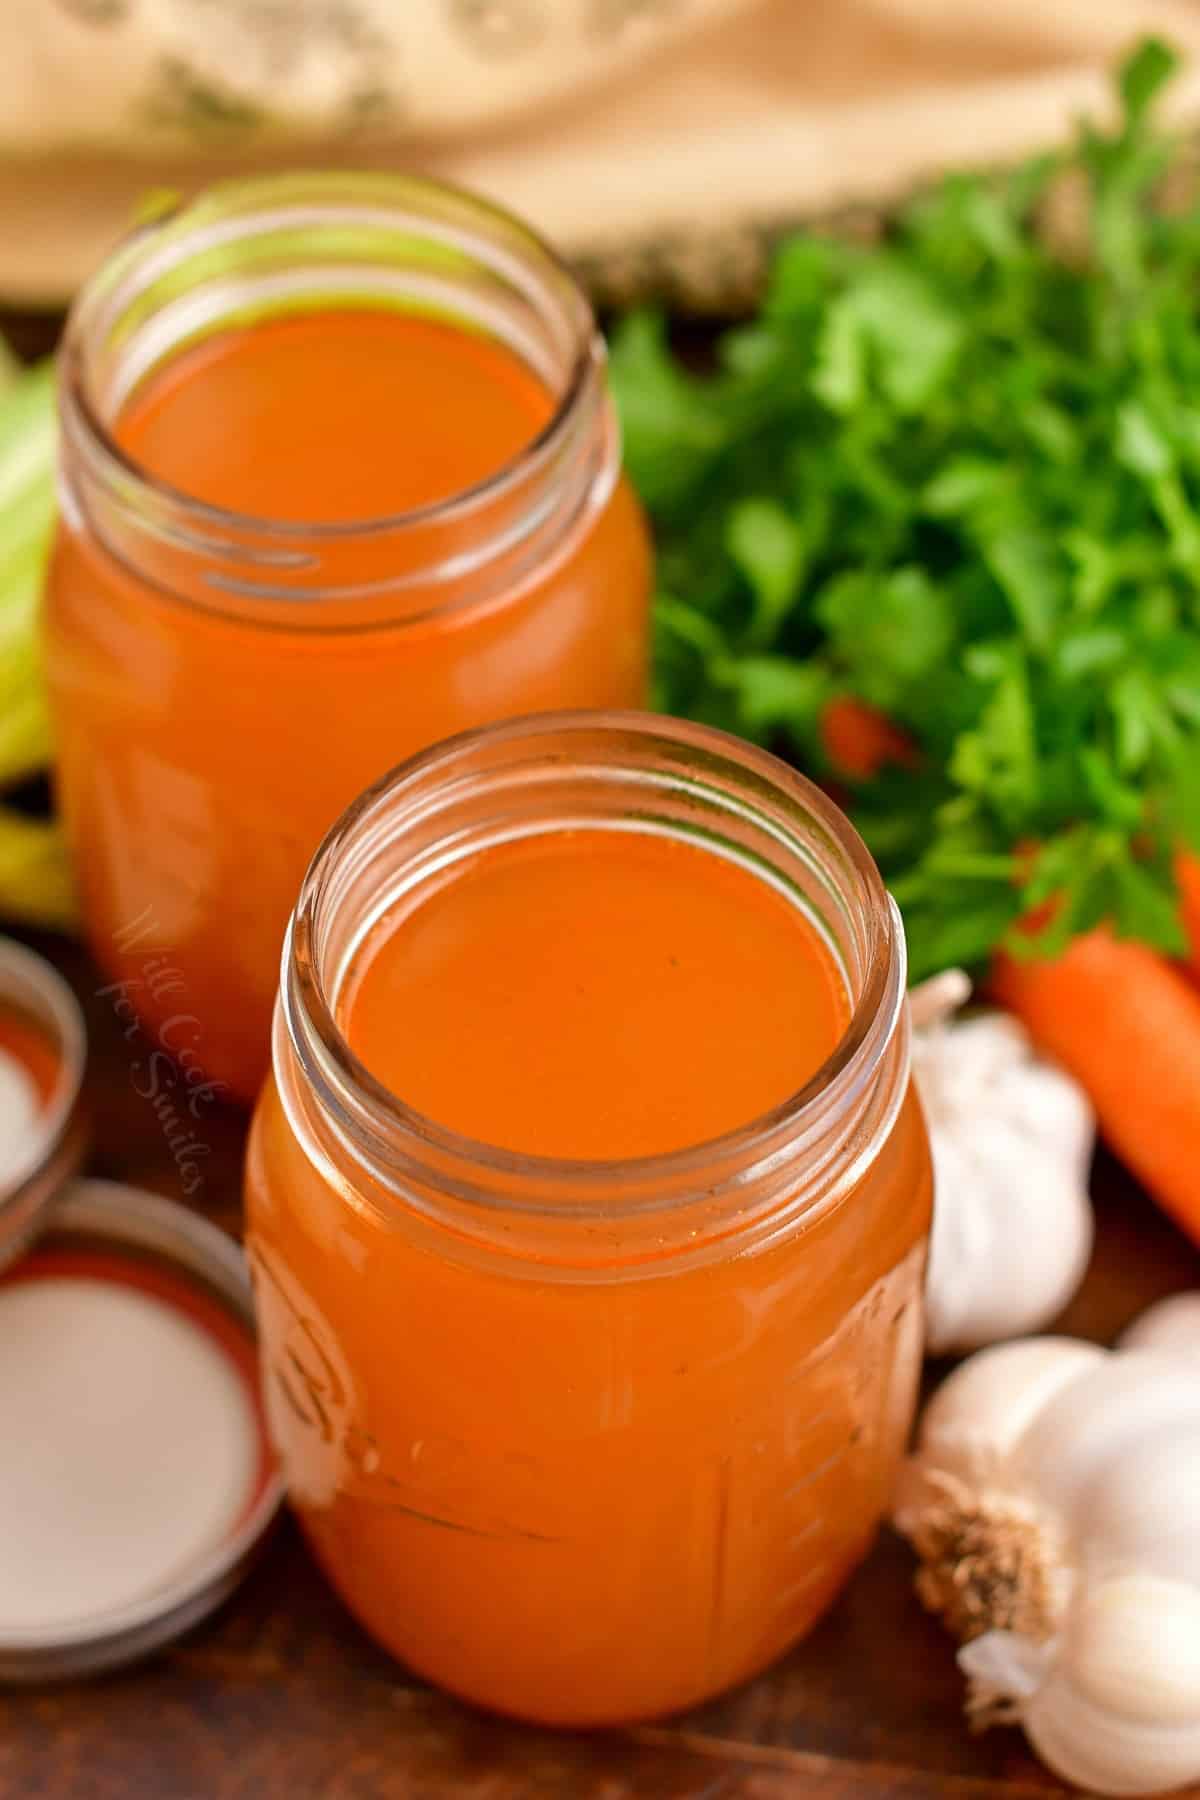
{"points": [[339, 478], [588, 1207]]}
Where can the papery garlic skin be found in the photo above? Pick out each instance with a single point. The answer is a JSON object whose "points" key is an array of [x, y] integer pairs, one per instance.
{"points": [[1055, 1500], [980, 1412], [1012, 1141], [1144, 1512], [1098, 1423]]}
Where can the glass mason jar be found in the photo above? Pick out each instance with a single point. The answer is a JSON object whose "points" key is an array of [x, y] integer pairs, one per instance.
{"points": [[223, 685], [587, 1442]]}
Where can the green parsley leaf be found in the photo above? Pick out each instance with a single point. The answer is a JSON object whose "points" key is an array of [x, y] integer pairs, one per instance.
{"points": [[956, 476]]}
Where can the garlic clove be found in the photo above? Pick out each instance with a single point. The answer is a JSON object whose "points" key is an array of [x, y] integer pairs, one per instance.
{"points": [[960, 1312], [1028, 1247], [1103, 1755], [1170, 1324], [1012, 1222], [957, 1067], [1055, 1111], [1118, 1712], [1133, 1648], [1078, 1438], [985, 1407], [1145, 1513]]}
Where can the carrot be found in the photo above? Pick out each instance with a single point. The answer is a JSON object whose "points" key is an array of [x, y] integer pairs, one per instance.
{"points": [[859, 740], [1126, 1023], [1187, 879]]}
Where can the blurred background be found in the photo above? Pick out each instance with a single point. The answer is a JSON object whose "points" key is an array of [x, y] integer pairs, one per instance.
{"points": [[660, 143]]}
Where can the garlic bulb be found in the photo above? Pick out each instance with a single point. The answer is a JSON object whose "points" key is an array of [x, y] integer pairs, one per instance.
{"points": [[1170, 1324], [1054, 1501], [1012, 1143]]}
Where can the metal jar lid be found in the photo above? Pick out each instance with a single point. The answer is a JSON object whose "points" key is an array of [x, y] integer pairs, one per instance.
{"points": [[81, 1262]]}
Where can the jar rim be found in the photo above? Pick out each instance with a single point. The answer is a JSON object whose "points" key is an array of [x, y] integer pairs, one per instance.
{"points": [[329, 1062], [185, 223]]}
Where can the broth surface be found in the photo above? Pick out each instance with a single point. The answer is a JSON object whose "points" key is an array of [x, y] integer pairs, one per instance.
{"points": [[595, 994]]}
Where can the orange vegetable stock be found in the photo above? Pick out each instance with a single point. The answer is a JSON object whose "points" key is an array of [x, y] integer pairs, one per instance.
{"points": [[595, 994], [202, 752], [594, 1498]]}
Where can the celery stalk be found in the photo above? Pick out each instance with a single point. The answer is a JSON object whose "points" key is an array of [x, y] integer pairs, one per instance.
{"points": [[35, 876], [35, 880], [25, 525], [24, 726], [28, 433]]}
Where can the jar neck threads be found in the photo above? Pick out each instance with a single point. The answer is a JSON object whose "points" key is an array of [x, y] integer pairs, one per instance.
{"points": [[250, 251], [605, 771]]}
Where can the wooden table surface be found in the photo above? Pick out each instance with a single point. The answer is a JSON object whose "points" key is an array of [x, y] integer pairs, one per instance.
{"points": [[281, 1697]]}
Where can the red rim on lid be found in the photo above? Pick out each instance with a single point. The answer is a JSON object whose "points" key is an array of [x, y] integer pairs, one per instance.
{"points": [[137, 1478], [38, 1001]]}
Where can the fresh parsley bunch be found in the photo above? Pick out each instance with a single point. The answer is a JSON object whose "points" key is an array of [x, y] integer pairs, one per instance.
{"points": [[957, 476], [35, 881]]}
